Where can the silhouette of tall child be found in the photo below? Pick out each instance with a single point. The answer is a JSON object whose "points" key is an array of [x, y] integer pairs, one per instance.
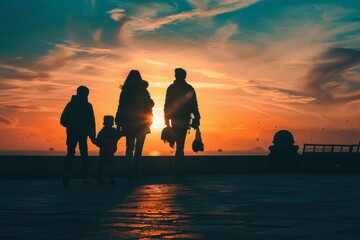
{"points": [[107, 140], [134, 117], [78, 118], [180, 103]]}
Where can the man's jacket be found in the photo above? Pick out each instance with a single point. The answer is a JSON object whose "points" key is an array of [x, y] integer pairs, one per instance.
{"points": [[78, 117]]}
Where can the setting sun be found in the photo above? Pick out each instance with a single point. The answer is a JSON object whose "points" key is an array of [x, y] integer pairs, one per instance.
{"points": [[158, 120]]}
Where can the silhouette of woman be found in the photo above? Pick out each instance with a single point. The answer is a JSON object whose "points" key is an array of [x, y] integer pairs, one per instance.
{"points": [[134, 117]]}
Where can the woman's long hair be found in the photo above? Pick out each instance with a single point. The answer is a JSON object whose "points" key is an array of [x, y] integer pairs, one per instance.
{"points": [[133, 77]]}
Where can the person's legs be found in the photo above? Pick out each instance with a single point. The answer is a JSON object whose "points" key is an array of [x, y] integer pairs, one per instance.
{"points": [[130, 144], [84, 158], [140, 140], [180, 136], [111, 166], [180, 129], [71, 142], [101, 164]]}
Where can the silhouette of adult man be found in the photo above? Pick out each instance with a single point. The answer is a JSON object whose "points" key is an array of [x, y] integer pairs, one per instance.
{"points": [[134, 116], [180, 103], [79, 120]]}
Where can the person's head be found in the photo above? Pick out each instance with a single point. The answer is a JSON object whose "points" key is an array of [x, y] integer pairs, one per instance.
{"points": [[82, 91], [134, 75], [180, 74], [108, 121]]}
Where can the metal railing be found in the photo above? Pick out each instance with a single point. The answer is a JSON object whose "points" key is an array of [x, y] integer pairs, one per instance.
{"points": [[330, 148]]}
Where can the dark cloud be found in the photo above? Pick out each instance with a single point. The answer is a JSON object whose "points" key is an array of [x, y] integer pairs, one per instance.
{"points": [[279, 94], [19, 108], [6, 86], [326, 78], [5, 121], [13, 73], [281, 90], [60, 55]]}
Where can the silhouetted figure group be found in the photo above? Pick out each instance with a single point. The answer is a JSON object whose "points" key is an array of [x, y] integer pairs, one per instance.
{"points": [[133, 120]]}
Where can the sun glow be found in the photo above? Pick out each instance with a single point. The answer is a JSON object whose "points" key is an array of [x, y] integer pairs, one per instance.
{"points": [[158, 119], [251, 78]]}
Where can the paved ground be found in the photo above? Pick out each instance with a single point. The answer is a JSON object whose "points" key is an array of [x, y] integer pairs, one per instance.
{"points": [[259, 206]]}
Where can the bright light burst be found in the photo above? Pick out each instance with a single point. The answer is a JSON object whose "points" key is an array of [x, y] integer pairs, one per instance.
{"points": [[158, 120]]}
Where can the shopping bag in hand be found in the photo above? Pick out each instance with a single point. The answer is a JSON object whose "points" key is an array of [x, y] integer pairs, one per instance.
{"points": [[197, 144]]}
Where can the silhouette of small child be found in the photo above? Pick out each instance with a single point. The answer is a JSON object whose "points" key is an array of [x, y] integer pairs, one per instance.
{"points": [[107, 140]]}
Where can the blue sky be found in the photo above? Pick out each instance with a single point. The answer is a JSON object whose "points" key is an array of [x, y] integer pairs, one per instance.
{"points": [[287, 64]]}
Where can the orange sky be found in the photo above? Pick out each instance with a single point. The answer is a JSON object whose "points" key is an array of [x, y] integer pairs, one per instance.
{"points": [[251, 79]]}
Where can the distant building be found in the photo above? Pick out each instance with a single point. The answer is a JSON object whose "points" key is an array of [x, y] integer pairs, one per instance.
{"points": [[257, 150]]}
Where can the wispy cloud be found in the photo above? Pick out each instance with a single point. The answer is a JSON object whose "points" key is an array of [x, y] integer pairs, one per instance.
{"points": [[326, 80], [199, 85], [151, 23], [210, 73], [5, 121], [20, 73], [158, 63], [97, 35], [278, 94], [69, 55], [220, 42], [215, 86], [254, 109], [77, 48], [117, 14]]}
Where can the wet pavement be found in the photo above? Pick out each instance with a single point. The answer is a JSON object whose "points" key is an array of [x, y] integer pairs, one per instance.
{"points": [[255, 206]]}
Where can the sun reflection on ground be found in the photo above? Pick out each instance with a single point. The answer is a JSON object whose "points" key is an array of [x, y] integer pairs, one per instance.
{"points": [[151, 211]]}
